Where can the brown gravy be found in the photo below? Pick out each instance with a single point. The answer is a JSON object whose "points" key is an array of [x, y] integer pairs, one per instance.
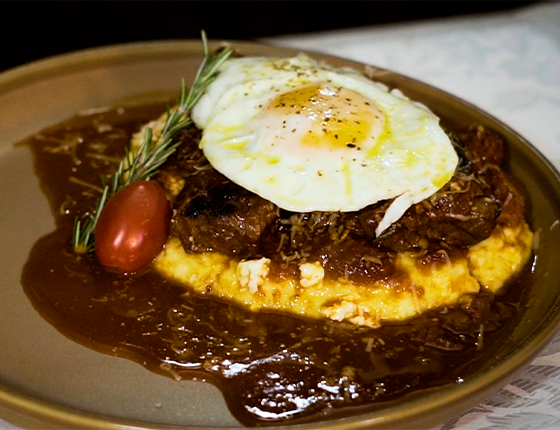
{"points": [[270, 367]]}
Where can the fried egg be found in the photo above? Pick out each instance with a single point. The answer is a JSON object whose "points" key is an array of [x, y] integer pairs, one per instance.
{"points": [[310, 137]]}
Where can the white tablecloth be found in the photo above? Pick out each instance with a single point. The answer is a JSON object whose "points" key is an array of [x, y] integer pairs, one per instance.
{"points": [[509, 65]]}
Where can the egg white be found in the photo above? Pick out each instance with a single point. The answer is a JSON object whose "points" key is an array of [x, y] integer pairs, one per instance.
{"points": [[310, 137]]}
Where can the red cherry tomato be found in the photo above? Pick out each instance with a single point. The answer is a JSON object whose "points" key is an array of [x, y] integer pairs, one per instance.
{"points": [[132, 227]]}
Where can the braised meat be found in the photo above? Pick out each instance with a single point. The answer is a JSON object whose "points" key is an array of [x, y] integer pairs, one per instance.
{"points": [[462, 213], [224, 217], [211, 213]]}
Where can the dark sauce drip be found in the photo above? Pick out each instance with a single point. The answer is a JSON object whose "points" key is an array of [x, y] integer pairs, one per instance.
{"points": [[270, 367]]}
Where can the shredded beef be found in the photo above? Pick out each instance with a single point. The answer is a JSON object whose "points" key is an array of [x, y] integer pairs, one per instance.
{"points": [[211, 213]]}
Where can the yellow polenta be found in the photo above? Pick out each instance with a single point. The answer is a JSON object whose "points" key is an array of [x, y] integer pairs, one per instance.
{"points": [[488, 266]]}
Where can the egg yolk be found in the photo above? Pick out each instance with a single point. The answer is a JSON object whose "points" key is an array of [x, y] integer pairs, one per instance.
{"points": [[336, 117]]}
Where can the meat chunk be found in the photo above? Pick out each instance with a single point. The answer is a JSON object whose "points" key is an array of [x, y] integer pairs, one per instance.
{"points": [[462, 213], [484, 151], [333, 239], [465, 211], [482, 147], [355, 260], [221, 216], [211, 213]]}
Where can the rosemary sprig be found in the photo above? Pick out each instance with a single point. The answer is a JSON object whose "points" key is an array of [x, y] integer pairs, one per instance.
{"points": [[144, 163]]}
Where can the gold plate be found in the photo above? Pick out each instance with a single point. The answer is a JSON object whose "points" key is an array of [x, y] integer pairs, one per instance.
{"points": [[49, 381]]}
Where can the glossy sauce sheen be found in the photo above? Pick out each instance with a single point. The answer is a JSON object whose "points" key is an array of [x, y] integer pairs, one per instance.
{"points": [[270, 367]]}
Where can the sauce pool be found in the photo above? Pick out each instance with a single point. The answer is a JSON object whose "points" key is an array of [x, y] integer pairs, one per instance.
{"points": [[269, 367]]}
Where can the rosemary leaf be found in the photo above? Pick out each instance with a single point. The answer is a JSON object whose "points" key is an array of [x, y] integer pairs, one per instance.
{"points": [[145, 162]]}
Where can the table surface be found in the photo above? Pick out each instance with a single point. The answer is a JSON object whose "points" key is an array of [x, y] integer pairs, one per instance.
{"points": [[507, 64]]}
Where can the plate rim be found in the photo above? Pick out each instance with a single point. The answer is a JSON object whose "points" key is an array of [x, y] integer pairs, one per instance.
{"points": [[136, 51]]}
